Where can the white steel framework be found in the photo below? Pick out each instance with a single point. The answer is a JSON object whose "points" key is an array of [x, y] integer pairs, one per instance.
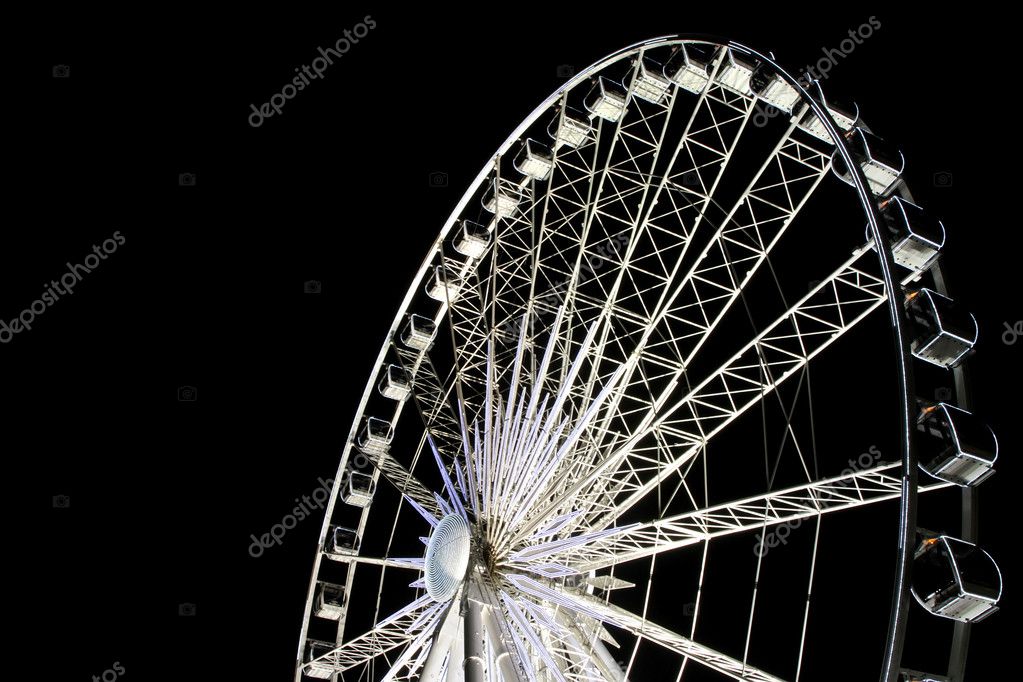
{"points": [[547, 406]]}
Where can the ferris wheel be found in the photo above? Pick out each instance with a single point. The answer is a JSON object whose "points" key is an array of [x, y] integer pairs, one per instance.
{"points": [[602, 375]]}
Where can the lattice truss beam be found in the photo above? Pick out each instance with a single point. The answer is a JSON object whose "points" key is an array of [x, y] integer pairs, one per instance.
{"points": [[400, 629], [599, 550], [543, 595]]}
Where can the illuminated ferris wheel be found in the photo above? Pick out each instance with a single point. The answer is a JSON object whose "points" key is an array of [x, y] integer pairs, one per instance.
{"points": [[572, 409]]}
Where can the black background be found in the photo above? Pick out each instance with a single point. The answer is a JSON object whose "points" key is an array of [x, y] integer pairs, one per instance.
{"points": [[207, 291]]}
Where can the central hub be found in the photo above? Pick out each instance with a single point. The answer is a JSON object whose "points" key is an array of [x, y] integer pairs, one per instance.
{"points": [[447, 557]]}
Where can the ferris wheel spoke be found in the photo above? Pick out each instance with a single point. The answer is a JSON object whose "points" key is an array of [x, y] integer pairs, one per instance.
{"points": [[469, 324], [809, 596], [403, 480], [559, 645], [432, 398], [533, 641], [527, 465], [572, 643], [457, 286], [576, 642], [415, 564], [399, 629], [473, 301], [578, 664], [410, 661], [641, 628], [602, 549], [587, 637]]}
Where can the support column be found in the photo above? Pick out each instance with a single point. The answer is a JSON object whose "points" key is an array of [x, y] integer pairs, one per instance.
{"points": [[475, 653]]}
